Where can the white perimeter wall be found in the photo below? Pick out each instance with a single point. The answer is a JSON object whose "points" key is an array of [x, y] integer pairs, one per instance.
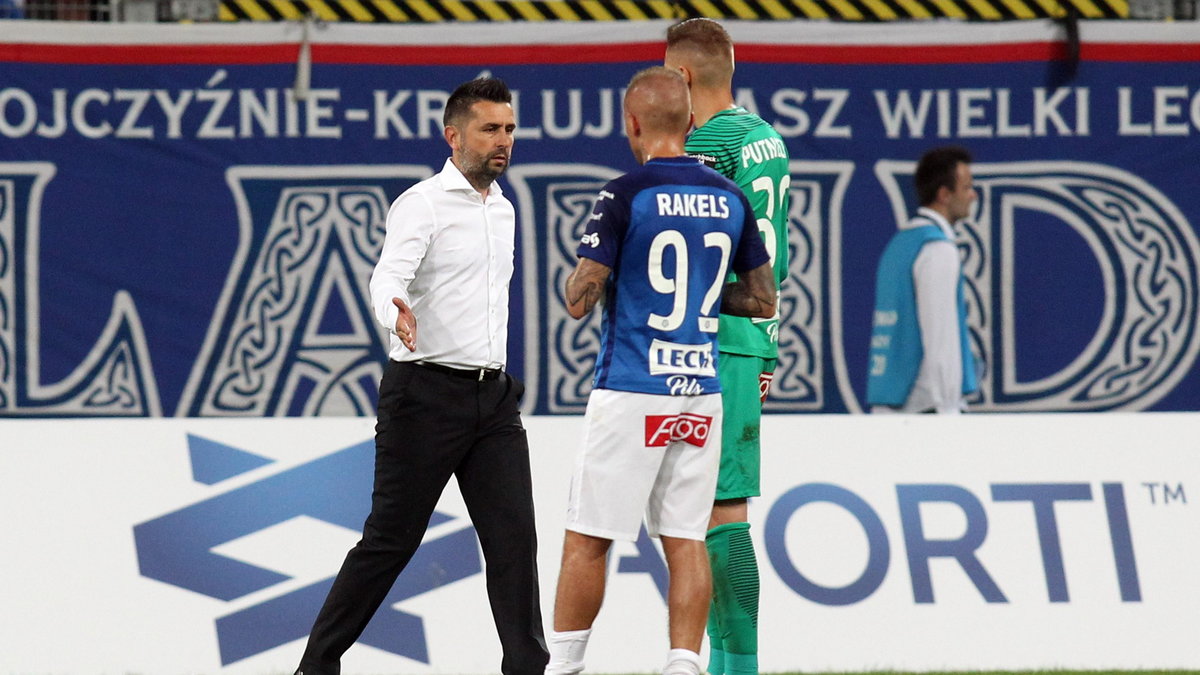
{"points": [[73, 599]]}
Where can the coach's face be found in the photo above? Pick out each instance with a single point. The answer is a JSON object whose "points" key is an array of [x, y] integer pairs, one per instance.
{"points": [[482, 142]]}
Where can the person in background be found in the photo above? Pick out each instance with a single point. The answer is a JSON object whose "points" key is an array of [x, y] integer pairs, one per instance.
{"points": [[920, 356]]}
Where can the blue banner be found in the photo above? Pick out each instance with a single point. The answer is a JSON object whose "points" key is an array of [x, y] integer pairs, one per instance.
{"points": [[187, 227]]}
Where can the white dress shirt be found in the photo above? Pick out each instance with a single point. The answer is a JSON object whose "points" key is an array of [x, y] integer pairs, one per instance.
{"points": [[936, 272], [448, 253]]}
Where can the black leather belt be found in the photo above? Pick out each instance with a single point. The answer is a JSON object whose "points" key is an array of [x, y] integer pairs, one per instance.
{"points": [[477, 374]]}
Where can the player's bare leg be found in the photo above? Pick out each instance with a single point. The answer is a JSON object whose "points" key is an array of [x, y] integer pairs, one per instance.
{"points": [[729, 511], [688, 596], [577, 600]]}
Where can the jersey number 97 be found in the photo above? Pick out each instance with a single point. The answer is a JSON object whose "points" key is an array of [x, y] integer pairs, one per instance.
{"points": [[676, 282]]}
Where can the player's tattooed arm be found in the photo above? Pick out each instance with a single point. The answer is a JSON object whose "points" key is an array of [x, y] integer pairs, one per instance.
{"points": [[585, 286], [753, 294]]}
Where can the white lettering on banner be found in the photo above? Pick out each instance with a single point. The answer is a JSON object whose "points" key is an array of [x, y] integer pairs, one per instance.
{"points": [[59, 127], [387, 114], [1005, 128], [1174, 112], [217, 113], [837, 99], [580, 106], [218, 100], [291, 115], [264, 112], [28, 112], [983, 113], [692, 205], [128, 128], [431, 103], [221, 112], [524, 130], [316, 113], [574, 114], [173, 108], [669, 358], [604, 128], [1168, 106], [79, 113], [789, 103]]}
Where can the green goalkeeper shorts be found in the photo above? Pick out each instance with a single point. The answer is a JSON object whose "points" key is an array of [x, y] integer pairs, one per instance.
{"points": [[743, 383]]}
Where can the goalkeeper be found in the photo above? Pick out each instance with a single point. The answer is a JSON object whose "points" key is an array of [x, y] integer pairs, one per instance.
{"points": [[748, 151]]}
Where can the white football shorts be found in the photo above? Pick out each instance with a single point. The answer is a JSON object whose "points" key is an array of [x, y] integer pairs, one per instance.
{"points": [[646, 453]]}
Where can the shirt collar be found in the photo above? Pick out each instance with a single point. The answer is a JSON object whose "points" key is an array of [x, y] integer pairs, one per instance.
{"points": [[453, 179], [937, 219], [736, 110], [677, 159]]}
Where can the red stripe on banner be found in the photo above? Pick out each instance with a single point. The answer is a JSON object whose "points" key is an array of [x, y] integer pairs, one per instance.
{"points": [[1019, 52], [901, 54], [458, 55], [1135, 52], [254, 54], [231, 54]]}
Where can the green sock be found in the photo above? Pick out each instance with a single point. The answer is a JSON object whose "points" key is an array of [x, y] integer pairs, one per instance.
{"points": [[735, 597], [716, 650]]}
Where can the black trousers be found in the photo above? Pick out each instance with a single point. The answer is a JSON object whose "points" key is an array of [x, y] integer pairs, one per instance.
{"points": [[432, 425]]}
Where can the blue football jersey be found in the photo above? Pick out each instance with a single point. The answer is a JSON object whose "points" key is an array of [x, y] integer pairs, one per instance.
{"points": [[670, 231]]}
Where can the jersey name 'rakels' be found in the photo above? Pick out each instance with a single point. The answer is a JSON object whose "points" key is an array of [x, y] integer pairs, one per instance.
{"points": [[692, 205]]}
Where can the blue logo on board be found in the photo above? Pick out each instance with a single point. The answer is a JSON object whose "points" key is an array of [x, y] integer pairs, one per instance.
{"points": [[178, 548]]}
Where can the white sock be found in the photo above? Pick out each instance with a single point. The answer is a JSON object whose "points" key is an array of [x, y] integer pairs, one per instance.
{"points": [[682, 662], [566, 651]]}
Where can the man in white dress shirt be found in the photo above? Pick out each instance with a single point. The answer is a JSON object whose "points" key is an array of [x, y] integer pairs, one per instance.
{"points": [[920, 357], [446, 406]]}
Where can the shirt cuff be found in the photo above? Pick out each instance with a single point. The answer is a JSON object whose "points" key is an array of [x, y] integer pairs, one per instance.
{"points": [[390, 313]]}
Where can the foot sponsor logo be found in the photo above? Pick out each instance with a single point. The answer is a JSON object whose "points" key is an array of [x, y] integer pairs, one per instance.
{"points": [[686, 427]]}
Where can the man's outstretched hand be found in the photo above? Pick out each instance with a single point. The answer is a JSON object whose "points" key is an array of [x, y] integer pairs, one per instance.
{"points": [[406, 324]]}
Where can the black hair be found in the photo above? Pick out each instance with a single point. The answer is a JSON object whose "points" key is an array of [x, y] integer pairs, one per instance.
{"points": [[471, 92], [938, 168]]}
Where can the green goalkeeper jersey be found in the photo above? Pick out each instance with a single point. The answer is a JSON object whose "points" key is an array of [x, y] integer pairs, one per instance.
{"points": [[748, 151]]}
